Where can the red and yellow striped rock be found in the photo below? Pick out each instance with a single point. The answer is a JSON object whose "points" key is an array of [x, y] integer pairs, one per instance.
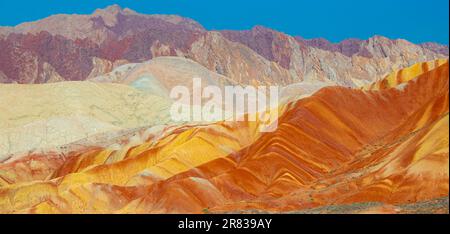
{"points": [[404, 75], [340, 146]]}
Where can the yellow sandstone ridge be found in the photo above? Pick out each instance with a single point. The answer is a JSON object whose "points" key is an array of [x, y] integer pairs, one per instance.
{"points": [[404, 75]]}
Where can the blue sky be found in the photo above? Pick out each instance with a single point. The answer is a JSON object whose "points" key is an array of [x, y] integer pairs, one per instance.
{"points": [[414, 20]]}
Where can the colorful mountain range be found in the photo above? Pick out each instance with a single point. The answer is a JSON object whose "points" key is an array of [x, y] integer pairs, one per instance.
{"points": [[86, 127]]}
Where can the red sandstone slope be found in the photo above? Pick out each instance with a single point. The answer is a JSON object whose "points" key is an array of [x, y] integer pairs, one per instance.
{"points": [[339, 146]]}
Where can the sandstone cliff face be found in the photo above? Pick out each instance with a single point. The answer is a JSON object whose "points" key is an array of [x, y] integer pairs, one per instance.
{"points": [[350, 63], [237, 61], [339, 146], [111, 34], [256, 56], [24, 55], [438, 48]]}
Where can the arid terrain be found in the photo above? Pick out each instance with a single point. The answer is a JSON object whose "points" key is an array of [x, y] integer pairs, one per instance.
{"points": [[85, 123]]}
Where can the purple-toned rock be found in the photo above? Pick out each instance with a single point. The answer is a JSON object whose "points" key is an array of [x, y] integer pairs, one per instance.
{"points": [[77, 47], [438, 48]]}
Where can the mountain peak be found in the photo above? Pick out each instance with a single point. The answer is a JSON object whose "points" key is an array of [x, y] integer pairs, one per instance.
{"points": [[379, 39], [109, 14], [261, 28], [111, 10], [114, 9]]}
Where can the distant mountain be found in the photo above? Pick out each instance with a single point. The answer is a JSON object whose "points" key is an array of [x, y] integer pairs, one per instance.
{"points": [[68, 44], [360, 47], [437, 48], [78, 47], [104, 24]]}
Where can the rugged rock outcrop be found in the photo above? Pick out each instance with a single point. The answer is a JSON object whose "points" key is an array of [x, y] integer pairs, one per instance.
{"points": [[351, 62], [438, 48], [81, 50]]}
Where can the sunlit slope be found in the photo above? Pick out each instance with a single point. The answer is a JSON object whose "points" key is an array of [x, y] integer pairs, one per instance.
{"points": [[159, 75], [130, 170], [339, 146], [404, 75], [49, 115]]}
